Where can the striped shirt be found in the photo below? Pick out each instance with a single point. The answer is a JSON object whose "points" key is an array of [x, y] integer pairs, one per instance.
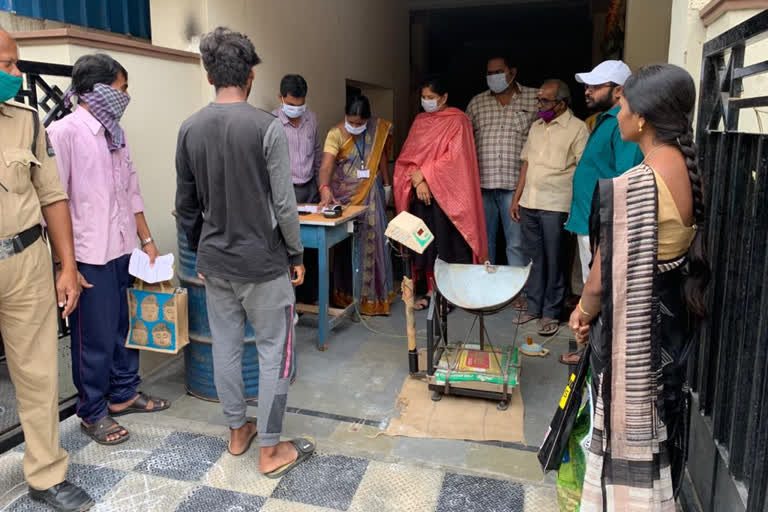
{"points": [[304, 146], [500, 134]]}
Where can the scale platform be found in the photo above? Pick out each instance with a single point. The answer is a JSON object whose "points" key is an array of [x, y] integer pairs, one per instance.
{"points": [[477, 370]]}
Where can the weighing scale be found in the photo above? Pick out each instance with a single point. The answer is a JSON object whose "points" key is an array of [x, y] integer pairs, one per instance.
{"points": [[473, 369]]}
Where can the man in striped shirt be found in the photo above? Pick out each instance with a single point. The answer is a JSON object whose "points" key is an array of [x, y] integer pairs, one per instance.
{"points": [[304, 146], [501, 117]]}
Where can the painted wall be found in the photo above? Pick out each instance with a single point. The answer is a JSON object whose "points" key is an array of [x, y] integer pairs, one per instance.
{"points": [[327, 42], [647, 36], [686, 44]]}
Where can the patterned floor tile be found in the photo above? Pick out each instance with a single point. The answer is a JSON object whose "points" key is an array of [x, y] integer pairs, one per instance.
{"points": [[463, 493], [184, 456], [397, 488], [95, 480], [275, 505], [12, 484], [240, 474], [126, 456], [206, 499], [138, 492], [540, 499], [324, 481]]}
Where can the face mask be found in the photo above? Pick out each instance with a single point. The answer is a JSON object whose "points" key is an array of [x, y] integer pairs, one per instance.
{"points": [[107, 105], [354, 130], [429, 106], [9, 86], [546, 115], [294, 111], [498, 82]]}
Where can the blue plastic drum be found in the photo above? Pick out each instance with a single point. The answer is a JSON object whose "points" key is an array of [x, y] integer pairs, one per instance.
{"points": [[198, 355]]}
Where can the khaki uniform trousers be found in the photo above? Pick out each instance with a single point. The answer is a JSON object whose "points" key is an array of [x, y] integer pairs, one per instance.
{"points": [[29, 328]]}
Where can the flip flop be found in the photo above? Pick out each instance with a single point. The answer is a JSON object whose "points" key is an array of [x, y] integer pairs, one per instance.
{"points": [[140, 406], [563, 360], [548, 327], [524, 318], [419, 303], [304, 447], [247, 444]]}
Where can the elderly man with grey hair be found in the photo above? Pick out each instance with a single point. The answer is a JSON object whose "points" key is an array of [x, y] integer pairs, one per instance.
{"points": [[543, 199]]}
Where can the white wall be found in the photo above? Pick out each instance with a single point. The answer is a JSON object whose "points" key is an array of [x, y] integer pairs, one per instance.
{"points": [[647, 36], [327, 42]]}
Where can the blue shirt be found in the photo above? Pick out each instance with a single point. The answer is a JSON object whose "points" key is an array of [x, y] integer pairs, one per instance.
{"points": [[605, 156]]}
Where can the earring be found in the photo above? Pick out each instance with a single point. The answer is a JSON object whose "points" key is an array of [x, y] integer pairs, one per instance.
{"points": [[640, 127]]}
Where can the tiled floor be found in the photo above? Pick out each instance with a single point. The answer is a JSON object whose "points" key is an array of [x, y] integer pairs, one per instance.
{"points": [[163, 469], [343, 398]]}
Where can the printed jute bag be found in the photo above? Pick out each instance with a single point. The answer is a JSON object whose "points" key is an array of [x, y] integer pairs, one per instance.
{"points": [[158, 317]]}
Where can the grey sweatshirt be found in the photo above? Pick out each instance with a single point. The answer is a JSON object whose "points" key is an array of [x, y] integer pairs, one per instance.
{"points": [[234, 193]]}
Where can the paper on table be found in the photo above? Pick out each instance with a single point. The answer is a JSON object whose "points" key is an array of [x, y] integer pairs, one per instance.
{"points": [[139, 267], [308, 208]]}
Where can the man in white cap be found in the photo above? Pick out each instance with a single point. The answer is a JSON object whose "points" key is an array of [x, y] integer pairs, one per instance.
{"points": [[605, 156]]}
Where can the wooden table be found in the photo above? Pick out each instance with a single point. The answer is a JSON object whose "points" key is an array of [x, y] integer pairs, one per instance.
{"points": [[321, 233]]}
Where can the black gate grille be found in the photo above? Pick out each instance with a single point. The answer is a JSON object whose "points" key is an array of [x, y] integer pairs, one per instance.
{"points": [[730, 371]]}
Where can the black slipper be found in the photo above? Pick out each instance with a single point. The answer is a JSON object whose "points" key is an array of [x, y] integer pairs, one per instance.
{"points": [[304, 447], [140, 406], [426, 306]]}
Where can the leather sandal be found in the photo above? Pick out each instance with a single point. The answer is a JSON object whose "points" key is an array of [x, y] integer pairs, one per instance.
{"points": [[140, 405], [102, 429]]}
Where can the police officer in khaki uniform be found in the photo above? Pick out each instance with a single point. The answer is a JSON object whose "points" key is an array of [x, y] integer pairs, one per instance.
{"points": [[29, 191]]}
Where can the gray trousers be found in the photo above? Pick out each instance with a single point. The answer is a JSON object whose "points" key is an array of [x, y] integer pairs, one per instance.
{"points": [[544, 243], [269, 309]]}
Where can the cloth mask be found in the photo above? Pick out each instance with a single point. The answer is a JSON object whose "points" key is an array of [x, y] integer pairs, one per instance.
{"points": [[354, 130], [107, 105], [429, 106], [546, 115], [9, 86], [498, 82], [294, 111]]}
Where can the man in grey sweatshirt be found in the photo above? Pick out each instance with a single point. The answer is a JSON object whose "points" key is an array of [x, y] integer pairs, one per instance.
{"points": [[235, 202]]}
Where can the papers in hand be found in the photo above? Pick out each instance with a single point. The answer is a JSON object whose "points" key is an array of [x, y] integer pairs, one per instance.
{"points": [[139, 267]]}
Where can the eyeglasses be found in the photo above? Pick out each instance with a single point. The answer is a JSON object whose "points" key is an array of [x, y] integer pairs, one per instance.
{"points": [[9, 62], [545, 101]]}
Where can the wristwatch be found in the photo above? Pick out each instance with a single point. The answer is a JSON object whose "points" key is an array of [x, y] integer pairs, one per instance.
{"points": [[147, 241]]}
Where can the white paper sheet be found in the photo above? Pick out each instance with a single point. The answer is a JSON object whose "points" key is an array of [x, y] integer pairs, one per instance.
{"points": [[139, 267]]}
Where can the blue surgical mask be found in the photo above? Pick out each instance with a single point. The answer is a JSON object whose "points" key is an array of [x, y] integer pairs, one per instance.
{"points": [[294, 111], [497, 82], [9, 86], [429, 106], [354, 130]]}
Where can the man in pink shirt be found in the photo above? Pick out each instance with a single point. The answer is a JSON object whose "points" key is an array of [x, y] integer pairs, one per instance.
{"points": [[97, 173]]}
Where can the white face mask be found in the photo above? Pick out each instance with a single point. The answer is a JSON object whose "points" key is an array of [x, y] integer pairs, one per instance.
{"points": [[354, 130], [294, 111], [429, 106], [498, 82]]}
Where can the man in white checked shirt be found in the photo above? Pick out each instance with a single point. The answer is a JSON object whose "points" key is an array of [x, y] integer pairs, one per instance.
{"points": [[501, 117]]}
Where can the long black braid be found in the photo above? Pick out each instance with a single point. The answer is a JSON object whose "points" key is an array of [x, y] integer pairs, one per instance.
{"points": [[665, 96]]}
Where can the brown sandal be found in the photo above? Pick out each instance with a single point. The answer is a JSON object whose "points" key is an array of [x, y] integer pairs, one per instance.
{"points": [[102, 429], [141, 405], [570, 358]]}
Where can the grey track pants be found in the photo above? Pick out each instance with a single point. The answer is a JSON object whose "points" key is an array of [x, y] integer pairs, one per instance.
{"points": [[269, 309]]}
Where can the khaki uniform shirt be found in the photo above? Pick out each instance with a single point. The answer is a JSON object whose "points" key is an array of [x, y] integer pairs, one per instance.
{"points": [[552, 151], [28, 180]]}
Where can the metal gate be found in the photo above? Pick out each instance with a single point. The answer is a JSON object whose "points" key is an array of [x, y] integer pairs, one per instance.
{"points": [[728, 457]]}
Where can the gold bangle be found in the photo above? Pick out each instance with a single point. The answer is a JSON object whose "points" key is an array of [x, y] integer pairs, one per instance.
{"points": [[581, 308]]}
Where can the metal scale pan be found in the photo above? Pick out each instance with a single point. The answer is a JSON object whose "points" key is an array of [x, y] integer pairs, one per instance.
{"points": [[480, 290]]}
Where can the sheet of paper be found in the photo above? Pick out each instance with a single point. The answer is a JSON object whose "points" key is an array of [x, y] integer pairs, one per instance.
{"points": [[139, 267], [309, 208]]}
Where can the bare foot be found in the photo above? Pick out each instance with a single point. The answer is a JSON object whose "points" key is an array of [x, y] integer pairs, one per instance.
{"points": [[240, 438], [273, 457]]}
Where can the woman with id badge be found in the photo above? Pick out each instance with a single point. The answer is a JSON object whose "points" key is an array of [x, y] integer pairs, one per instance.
{"points": [[354, 172]]}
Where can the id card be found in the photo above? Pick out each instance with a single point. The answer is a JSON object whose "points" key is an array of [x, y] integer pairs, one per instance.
{"points": [[363, 174]]}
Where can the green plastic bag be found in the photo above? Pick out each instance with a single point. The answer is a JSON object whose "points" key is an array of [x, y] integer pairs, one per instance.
{"points": [[570, 476]]}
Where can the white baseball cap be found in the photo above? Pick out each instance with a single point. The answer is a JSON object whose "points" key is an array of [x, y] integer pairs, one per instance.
{"points": [[607, 71]]}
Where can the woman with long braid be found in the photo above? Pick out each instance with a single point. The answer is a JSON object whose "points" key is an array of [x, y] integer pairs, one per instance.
{"points": [[644, 297]]}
